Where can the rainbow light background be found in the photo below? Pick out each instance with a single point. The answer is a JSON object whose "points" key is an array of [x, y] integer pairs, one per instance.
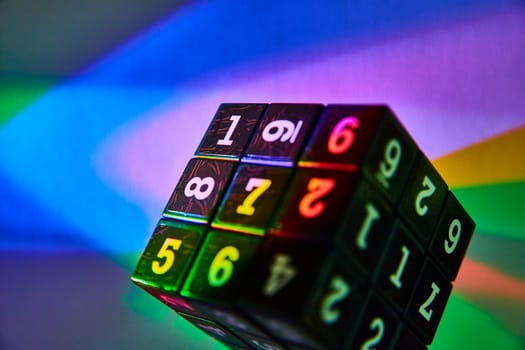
{"points": [[87, 163]]}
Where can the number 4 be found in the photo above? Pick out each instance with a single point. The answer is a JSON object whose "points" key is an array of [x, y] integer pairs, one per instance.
{"points": [[281, 273]]}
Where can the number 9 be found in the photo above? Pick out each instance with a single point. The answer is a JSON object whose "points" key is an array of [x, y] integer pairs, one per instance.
{"points": [[454, 232]]}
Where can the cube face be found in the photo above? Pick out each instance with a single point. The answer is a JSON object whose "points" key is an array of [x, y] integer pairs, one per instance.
{"points": [[230, 130], [300, 226], [198, 192], [281, 132], [250, 202], [218, 270], [168, 255]]}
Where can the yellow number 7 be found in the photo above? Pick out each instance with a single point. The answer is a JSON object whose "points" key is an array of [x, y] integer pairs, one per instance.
{"points": [[256, 187], [166, 253]]}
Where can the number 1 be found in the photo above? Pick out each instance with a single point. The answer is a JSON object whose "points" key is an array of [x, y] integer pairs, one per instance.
{"points": [[371, 215], [395, 278], [227, 140]]}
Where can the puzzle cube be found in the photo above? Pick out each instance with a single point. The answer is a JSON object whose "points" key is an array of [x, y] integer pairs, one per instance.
{"points": [[303, 226]]}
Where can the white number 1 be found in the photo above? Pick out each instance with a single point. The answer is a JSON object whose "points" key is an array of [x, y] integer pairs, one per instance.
{"points": [[227, 140]]}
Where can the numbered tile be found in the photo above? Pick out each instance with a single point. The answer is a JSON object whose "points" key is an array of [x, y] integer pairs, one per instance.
{"points": [[301, 295], [367, 227], [315, 203], [252, 197], [400, 267], [378, 327], [168, 255], [196, 196], [423, 199], [218, 271], [390, 158], [452, 236], [336, 307], [354, 136], [406, 340], [280, 135], [216, 331], [428, 302], [278, 286], [230, 130]]}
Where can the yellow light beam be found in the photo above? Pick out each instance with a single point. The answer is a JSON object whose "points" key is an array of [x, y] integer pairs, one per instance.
{"points": [[496, 160]]}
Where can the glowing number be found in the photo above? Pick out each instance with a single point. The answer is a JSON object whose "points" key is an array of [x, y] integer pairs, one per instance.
{"points": [[257, 187], [227, 140], [388, 166], [342, 136], [427, 314], [395, 278], [377, 325], [339, 290], [371, 215], [427, 191], [282, 130], [167, 254], [454, 232], [281, 273], [199, 188], [309, 207], [221, 268]]}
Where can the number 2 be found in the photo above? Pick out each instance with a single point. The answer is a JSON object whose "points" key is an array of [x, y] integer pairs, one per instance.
{"points": [[427, 314], [310, 207], [166, 253], [339, 290], [427, 191], [379, 325]]}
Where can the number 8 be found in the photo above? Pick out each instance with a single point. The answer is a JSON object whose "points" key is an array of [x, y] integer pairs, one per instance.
{"points": [[199, 188]]}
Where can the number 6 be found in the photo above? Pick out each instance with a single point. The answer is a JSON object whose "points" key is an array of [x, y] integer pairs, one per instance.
{"points": [[221, 268]]}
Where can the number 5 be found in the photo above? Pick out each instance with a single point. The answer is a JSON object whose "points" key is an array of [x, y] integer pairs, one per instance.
{"points": [[166, 253]]}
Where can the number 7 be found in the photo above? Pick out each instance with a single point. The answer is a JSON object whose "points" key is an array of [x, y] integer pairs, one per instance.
{"points": [[256, 187]]}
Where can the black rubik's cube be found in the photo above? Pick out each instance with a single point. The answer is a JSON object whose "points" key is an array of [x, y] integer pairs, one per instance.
{"points": [[303, 226]]}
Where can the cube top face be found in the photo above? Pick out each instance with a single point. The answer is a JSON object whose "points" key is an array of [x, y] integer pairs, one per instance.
{"points": [[168, 255], [230, 130], [302, 226], [281, 133]]}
